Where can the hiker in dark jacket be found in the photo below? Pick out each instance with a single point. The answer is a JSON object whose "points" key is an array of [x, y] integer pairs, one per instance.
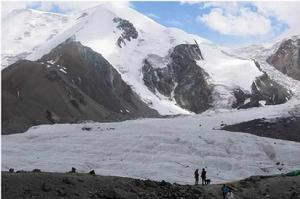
{"points": [[225, 191], [196, 177], [203, 176]]}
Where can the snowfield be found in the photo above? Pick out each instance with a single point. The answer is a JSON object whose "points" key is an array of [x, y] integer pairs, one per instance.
{"points": [[24, 30], [158, 149]]}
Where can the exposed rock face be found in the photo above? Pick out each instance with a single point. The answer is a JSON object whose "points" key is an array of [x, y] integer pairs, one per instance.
{"points": [[240, 97], [266, 89], [278, 128], [263, 89], [179, 77], [287, 58], [129, 31], [70, 84]]}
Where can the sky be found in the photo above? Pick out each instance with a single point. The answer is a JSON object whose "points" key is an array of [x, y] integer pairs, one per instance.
{"points": [[225, 23]]}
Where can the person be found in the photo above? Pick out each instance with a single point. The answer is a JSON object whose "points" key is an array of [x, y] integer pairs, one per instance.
{"points": [[196, 177], [224, 190], [203, 176]]}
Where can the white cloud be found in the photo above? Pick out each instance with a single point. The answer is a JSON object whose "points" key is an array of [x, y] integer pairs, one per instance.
{"points": [[287, 12], [190, 2], [153, 16], [231, 18], [243, 23]]}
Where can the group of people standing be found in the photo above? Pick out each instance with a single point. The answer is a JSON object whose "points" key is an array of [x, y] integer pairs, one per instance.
{"points": [[226, 191], [203, 177]]}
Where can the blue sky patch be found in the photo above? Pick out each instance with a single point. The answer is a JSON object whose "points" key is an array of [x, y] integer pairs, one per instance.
{"points": [[211, 21]]}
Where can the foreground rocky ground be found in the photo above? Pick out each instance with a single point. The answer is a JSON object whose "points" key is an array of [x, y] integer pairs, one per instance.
{"points": [[74, 185], [278, 128]]}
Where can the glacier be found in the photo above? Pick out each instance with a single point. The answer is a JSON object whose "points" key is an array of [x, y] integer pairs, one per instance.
{"points": [[167, 149]]}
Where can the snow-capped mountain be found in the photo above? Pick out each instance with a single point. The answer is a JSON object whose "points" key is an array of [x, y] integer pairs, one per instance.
{"points": [[82, 87], [152, 59], [24, 30], [279, 60]]}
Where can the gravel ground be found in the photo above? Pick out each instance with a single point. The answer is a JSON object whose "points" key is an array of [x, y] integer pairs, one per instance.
{"points": [[74, 185], [279, 128]]}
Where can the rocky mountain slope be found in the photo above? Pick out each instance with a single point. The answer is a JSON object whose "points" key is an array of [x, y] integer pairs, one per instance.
{"points": [[287, 57], [281, 55], [182, 79], [70, 84]]}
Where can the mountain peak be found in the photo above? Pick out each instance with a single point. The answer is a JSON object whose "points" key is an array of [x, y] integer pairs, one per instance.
{"points": [[126, 38]]}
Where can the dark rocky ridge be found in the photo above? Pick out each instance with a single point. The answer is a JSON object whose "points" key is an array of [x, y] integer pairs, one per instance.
{"points": [[287, 58], [181, 78], [262, 89], [279, 128], [67, 185], [79, 85], [128, 30]]}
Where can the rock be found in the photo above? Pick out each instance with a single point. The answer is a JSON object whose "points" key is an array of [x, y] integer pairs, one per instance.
{"points": [[270, 91], [129, 31], [178, 77], [263, 89], [137, 182], [92, 172], [287, 58], [61, 192], [86, 128], [46, 187], [82, 84], [109, 193], [149, 183], [36, 171], [80, 180], [240, 97], [82, 15], [293, 195], [66, 180], [163, 183]]}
